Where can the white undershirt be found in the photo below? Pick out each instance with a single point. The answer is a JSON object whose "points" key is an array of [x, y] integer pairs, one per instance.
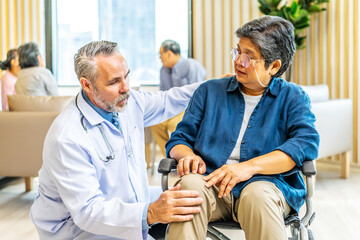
{"points": [[250, 104]]}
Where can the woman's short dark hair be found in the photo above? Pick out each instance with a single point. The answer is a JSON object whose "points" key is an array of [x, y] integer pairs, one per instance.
{"points": [[6, 65], [275, 38], [28, 55], [171, 45]]}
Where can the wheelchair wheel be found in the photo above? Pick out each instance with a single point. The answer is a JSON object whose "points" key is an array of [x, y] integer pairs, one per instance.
{"points": [[310, 235]]}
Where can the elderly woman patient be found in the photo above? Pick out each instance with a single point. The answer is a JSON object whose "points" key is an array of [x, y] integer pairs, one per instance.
{"points": [[241, 134]]}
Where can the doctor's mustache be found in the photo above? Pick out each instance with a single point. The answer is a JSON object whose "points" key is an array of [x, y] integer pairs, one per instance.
{"points": [[122, 97]]}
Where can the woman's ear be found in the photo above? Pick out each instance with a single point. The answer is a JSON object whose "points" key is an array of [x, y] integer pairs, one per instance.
{"points": [[40, 60], [275, 66]]}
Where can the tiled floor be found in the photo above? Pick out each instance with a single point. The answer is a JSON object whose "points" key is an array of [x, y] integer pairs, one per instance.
{"points": [[336, 202]]}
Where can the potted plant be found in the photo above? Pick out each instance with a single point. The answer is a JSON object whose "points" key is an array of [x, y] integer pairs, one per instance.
{"points": [[298, 13]]}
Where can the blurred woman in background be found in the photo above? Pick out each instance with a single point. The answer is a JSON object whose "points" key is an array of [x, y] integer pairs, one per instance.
{"points": [[8, 80], [34, 79]]}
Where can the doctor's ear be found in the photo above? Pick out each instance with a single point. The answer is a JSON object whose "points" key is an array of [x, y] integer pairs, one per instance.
{"points": [[86, 84]]}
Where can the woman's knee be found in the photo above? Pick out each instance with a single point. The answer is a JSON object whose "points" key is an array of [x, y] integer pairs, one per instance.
{"points": [[192, 182]]}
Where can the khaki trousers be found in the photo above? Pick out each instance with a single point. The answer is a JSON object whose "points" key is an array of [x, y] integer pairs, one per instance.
{"points": [[162, 131], [260, 211]]}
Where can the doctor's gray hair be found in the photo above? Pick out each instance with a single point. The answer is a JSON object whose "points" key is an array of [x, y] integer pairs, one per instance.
{"points": [[274, 36], [84, 60]]}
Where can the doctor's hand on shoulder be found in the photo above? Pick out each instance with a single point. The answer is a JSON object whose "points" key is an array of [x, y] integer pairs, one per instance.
{"points": [[174, 205]]}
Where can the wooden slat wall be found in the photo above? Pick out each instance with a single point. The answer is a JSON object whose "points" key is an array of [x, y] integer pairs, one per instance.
{"points": [[331, 55], [20, 22]]}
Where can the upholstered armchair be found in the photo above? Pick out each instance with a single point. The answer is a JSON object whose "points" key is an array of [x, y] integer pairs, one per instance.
{"points": [[23, 130]]}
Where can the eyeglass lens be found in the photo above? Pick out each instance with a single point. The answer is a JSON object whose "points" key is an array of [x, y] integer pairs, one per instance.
{"points": [[244, 59]]}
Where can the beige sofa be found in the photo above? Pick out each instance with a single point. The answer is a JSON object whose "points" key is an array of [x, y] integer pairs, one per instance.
{"points": [[23, 130]]}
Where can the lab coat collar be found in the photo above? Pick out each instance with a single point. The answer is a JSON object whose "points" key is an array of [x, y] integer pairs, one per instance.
{"points": [[89, 113]]}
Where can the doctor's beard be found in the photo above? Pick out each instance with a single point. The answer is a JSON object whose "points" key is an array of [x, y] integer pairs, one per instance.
{"points": [[112, 106]]}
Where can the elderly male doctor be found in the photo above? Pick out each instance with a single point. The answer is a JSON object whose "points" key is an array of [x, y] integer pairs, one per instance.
{"points": [[93, 182]]}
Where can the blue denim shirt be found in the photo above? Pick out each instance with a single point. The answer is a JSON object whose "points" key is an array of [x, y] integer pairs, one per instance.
{"points": [[282, 120]]}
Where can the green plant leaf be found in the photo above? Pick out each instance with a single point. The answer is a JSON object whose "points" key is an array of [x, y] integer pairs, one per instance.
{"points": [[322, 1], [301, 26], [298, 13], [275, 3], [264, 7], [286, 11], [265, 10], [302, 16], [264, 3], [304, 4], [300, 42], [274, 13], [301, 20], [294, 7], [314, 9]]}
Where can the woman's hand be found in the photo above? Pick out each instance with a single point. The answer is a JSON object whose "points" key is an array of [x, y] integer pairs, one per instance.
{"points": [[192, 163], [228, 176]]}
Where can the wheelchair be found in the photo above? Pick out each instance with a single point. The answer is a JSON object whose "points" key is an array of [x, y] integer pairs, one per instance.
{"points": [[299, 228]]}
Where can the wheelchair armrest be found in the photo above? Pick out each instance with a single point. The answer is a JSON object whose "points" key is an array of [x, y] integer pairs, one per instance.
{"points": [[308, 168], [166, 164]]}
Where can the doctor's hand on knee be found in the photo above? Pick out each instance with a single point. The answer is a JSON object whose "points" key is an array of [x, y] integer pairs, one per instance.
{"points": [[174, 205]]}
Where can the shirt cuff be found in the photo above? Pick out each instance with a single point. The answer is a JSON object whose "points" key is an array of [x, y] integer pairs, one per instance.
{"points": [[145, 224]]}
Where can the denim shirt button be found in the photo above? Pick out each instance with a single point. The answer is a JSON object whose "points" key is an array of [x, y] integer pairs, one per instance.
{"points": [[242, 142], [249, 126]]}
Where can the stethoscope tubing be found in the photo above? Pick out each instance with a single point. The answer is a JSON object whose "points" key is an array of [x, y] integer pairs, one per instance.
{"points": [[109, 157]]}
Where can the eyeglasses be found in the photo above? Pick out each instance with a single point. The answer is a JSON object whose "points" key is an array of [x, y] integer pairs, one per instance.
{"points": [[245, 62], [244, 58]]}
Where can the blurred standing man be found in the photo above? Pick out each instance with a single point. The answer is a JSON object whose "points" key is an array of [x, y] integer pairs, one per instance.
{"points": [[175, 72]]}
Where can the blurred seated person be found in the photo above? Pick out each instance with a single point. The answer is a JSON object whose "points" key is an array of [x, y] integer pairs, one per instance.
{"points": [[34, 79], [175, 72], [8, 79], [240, 136]]}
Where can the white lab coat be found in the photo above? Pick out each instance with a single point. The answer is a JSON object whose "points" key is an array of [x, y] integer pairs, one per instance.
{"points": [[80, 195]]}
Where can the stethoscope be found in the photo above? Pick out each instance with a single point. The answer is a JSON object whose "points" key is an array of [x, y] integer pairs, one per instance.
{"points": [[111, 156]]}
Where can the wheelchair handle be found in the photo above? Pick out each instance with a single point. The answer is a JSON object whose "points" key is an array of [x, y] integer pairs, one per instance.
{"points": [[166, 165], [308, 168], [164, 168]]}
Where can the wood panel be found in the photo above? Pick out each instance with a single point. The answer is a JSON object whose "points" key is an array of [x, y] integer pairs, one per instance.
{"points": [[20, 22]]}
